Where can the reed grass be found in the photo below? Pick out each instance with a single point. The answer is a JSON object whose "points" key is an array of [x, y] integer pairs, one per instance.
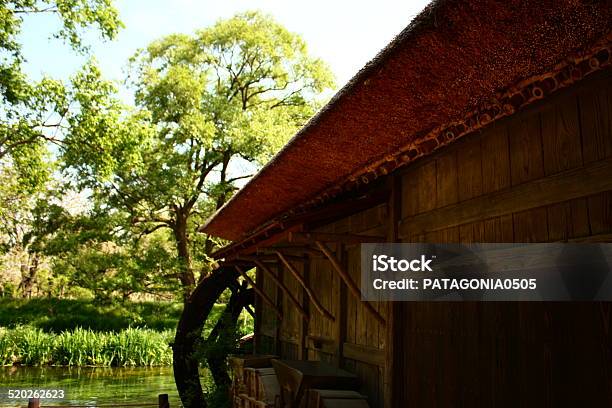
{"points": [[131, 347]]}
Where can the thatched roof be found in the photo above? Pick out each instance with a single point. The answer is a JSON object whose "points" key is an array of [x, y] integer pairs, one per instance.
{"points": [[455, 56]]}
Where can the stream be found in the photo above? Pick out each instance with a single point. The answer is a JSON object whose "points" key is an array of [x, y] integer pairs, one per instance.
{"points": [[90, 386]]}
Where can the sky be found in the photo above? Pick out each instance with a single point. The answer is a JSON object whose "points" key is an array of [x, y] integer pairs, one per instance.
{"points": [[346, 34]]}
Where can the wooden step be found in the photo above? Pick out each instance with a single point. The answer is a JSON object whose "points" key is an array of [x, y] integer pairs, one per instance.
{"points": [[336, 399]]}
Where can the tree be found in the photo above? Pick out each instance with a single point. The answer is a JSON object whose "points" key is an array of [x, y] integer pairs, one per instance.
{"points": [[32, 113], [207, 104], [16, 217], [94, 250], [27, 163]]}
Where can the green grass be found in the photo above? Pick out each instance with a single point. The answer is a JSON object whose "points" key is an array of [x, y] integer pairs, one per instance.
{"points": [[56, 315], [75, 332], [25, 345], [67, 314]]}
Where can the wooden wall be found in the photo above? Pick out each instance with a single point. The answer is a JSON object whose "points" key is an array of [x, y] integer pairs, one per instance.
{"points": [[542, 175], [361, 337], [266, 322], [354, 340], [491, 186]]}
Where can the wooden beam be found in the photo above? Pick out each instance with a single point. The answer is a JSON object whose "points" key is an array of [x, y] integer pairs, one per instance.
{"points": [[588, 180], [257, 349], [284, 288], [293, 250], [312, 237], [321, 343], [277, 231], [268, 332], [365, 354], [272, 258], [348, 281], [259, 291], [301, 281], [248, 246], [591, 239], [339, 304], [394, 207], [342, 208], [291, 340]]}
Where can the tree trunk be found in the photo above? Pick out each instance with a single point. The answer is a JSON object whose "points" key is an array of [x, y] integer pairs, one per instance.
{"points": [[188, 333], [182, 246], [29, 269]]}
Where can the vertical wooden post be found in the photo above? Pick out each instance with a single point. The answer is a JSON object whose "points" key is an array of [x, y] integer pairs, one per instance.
{"points": [[394, 208], [34, 403], [257, 349], [163, 402], [340, 308], [306, 303], [278, 345]]}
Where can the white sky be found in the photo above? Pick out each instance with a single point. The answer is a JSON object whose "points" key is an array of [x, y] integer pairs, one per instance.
{"points": [[346, 34]]}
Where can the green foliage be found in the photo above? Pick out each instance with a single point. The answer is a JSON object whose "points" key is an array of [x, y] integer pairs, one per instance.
{"points": [[27, 345], [55, 315], [15, 209], [215, 395], [226, 343], [108, 272], [230, 95], [79, 332], [245, 84], [35, 116], [207, 106], [87, 251], [32, 114], [74, 16], [8, 290]]}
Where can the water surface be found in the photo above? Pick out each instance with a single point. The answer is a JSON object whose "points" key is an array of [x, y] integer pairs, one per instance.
{"points": [[91, 386]]}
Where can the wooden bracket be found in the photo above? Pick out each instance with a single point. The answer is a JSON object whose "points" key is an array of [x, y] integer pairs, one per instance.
{"points": [[301, 281], [259, 291], [282, 286], [348, 281]]}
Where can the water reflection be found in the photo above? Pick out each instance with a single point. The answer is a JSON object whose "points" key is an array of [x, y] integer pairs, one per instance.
{"points": [[91, 385]]}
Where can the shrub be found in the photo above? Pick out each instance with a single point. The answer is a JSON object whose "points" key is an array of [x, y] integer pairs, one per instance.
{"points": [[58, 315]]}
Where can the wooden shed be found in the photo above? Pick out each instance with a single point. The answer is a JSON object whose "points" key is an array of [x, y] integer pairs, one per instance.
{"points": [[483, 121]]}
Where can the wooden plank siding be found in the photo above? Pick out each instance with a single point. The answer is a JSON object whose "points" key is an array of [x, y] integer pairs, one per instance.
{"points": [[290, 333], [541, 175], [511, 183], [354, 327], [266, 322], [520, 163]]}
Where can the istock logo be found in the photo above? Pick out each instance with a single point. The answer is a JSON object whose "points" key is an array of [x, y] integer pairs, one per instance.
{"points": [[384, 263]]}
